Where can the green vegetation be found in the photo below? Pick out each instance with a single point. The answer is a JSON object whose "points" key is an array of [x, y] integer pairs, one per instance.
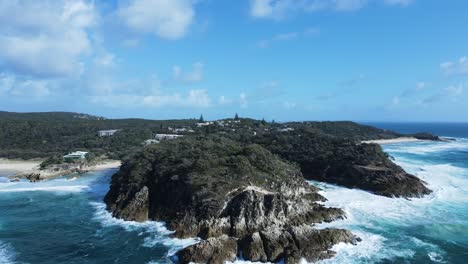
{"points": [[32, 135], [204, 167]]}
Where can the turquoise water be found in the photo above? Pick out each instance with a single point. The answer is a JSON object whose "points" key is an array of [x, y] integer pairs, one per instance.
{"points": [[64, 220]]}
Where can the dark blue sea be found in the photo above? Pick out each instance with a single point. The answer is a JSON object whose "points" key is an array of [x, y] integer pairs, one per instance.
{"points": [[65, 221]]}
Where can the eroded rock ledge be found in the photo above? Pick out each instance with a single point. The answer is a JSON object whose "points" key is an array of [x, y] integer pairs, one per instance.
{"points": [[240, 199]]}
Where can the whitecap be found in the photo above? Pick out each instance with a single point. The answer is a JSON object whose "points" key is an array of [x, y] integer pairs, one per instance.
{"points": [[7, 255], [436, 257], [156, 232], [425, 147], [372, 248]]}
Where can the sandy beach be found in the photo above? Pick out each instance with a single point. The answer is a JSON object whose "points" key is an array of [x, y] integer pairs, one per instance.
{"points": [[19, 165], [23, 168], [392, 141]]}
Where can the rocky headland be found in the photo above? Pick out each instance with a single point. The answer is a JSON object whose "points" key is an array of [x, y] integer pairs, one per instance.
{"points": [[238, 198], [345, 162]]}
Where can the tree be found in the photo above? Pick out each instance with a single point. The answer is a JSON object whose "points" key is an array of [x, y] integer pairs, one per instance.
{"points": [[263, 121], [201, 120], [236, 117]]}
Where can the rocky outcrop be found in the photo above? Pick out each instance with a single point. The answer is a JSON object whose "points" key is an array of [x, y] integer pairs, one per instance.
{"points": [[227, 194], [293, 244], [345, 162], [370, 169], [212, 251]]}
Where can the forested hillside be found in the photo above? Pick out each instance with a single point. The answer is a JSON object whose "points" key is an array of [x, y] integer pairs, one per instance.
{"points": [[31, 135]]}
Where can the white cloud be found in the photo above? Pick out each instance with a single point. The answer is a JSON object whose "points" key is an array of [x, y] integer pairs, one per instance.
{"points": [[223, 100], [288, 36], [452, 92], [455, 67], [24, 87], [279, 9], [243, 100], [399, 2], [106, 60], [194, 99], [169, 19], [45, 38], [196, 75]]}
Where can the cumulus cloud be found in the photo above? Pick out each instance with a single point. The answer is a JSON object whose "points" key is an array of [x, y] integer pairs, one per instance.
{"points": [[45, 38], [455, 67], [23, 87], [278, 9], [168, 19], [195, 75]]}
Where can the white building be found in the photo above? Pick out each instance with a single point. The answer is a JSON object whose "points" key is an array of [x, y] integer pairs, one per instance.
{"points": [[76, 155], [107, 133], [160, 137], [203, 124]]}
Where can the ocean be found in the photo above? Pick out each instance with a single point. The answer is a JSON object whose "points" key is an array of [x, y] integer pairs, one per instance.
{"points": [[65, 221]]}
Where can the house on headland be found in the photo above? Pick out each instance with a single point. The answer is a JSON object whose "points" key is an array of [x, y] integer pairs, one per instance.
{"points": [[107, 133], [161, 137], [76, 155]]}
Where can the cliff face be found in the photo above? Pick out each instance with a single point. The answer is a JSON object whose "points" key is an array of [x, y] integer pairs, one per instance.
{"points": [[239, 198]]}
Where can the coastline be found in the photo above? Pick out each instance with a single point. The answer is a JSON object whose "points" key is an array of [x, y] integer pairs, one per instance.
{"points": [[25, 168], [391, 141], [13, 165]]}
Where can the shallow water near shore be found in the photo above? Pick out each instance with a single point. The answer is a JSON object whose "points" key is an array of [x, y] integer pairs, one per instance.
{"points": [[65, 221]]}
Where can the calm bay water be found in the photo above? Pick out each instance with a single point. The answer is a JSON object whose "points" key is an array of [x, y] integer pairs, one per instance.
{"points": [[64, 220]]}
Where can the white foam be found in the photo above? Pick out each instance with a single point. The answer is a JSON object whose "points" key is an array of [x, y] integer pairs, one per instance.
{"points": [[425, 147], [373, 248], [376, 218], [77, 188], [7, 255], [59, 185], [436, 257], [156, 232]]}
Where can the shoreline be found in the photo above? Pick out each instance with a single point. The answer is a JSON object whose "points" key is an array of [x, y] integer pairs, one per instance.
{"points": [[24, 169], [391, 141], [16, 166]]}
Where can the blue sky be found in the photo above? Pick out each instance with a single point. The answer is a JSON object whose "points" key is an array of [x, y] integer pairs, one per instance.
{"points": [[361, 60]]}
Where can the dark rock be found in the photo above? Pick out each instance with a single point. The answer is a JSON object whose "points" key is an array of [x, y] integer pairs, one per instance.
{"points": [[426, 136], [368, 168], [33, 177], [293, 244], [214, 250]]}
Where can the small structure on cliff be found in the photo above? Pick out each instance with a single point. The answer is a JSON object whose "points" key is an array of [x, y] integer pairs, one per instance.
{"points": [[161, 137], [76, 155], [107, 133]]}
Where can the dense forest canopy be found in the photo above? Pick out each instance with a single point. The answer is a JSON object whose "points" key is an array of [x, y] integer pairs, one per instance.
{"points": [[39, 135]]}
